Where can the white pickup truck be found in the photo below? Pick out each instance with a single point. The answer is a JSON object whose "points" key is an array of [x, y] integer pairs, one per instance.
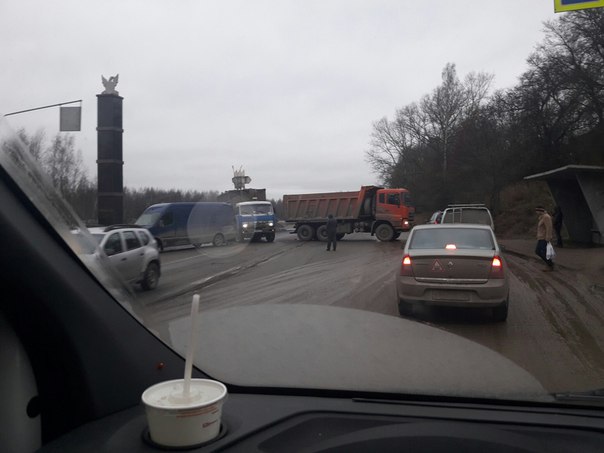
{"points": [[468, 213]]}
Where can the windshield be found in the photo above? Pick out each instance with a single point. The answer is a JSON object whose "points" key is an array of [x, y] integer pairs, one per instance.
{"points": [[148, 219], [255, 209], [350, 123]]}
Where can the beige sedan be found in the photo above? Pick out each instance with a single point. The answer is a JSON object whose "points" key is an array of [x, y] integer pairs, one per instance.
{"points": [[457, 265]]}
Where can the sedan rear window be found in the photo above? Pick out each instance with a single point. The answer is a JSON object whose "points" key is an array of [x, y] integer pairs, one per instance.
{"points": [[461, 238]]}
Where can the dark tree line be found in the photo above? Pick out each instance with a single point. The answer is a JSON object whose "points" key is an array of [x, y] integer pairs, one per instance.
{"points": [[136, 200], [462, 143], [62, 164]]}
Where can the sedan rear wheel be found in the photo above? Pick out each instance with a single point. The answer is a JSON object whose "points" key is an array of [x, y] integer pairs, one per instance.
{"points": [[405, 308], [500, 313]]}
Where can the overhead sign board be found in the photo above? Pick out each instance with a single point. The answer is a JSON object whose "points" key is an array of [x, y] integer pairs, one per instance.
{"points": [[573, 5], [70, 119]]}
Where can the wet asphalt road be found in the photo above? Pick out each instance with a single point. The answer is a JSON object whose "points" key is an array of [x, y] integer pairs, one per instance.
{"points": [[554, 329]]}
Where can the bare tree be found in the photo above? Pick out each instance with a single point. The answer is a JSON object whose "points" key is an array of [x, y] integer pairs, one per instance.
{"points": [[449, 105], [34, 143], [417, 143], [394, 152], [575, 45], [387, 148], [460, 143], [64, 164]]}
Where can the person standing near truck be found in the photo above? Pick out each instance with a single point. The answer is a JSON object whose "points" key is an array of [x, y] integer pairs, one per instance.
{"points": [[332, 229]]}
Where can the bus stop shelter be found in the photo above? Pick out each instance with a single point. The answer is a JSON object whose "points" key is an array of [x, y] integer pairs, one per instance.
{"points": [[579, 192]]}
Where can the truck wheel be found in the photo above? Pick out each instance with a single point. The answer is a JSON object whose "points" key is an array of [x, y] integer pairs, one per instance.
{"points": [[322, 233], [270, 237], [306, 232], [384, 232]]}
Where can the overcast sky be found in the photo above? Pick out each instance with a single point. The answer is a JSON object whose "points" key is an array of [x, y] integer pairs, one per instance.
{"points": [[287, 89]]}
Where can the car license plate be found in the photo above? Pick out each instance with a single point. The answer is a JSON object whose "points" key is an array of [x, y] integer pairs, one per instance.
{"points": [[450, 295]]}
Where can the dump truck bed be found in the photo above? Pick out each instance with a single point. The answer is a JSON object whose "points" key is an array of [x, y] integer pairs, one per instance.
{"points": [[316, 206]]}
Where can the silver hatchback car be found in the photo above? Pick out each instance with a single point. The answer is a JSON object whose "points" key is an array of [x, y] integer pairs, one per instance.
{"points": [[453, 265], [133, 252]]}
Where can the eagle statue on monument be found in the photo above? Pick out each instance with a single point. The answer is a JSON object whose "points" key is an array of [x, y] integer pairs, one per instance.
{"points": [[110, 84]]}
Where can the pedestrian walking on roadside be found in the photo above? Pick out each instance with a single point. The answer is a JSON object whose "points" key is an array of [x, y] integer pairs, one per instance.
{"points": [[544, 235], [332, 229], [557, 219]]}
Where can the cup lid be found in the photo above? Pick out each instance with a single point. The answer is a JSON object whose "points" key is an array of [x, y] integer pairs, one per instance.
{"points": [[168, 394]]}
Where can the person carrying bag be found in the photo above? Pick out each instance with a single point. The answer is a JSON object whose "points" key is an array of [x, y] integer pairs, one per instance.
{"points": [[544, 237]]}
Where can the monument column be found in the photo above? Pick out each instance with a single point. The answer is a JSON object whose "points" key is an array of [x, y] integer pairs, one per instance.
{"points": [[110, 163]]}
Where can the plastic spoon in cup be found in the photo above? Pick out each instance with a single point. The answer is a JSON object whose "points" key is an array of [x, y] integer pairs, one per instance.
{"points": [[185, 396], [186, 389]]}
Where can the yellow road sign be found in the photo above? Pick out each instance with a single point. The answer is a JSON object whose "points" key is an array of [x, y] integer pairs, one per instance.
{"points": [[573, 5]]}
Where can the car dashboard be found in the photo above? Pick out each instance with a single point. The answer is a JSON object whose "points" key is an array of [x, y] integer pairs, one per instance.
{"points": [[91, 359], [278, 423]]}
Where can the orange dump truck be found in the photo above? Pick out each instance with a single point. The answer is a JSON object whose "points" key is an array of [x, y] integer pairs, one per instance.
{"points": [[384, 213]]}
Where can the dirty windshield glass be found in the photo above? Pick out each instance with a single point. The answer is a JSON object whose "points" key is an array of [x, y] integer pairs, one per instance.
{"points": [[148, 219], [255, 209], [340, 126]]}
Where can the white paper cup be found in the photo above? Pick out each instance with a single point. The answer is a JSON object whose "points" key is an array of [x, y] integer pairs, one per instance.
{"points": [[175, 421]]}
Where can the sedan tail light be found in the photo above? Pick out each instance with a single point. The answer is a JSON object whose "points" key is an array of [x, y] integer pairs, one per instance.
{"points": [[406, 270], [496, 267]]}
